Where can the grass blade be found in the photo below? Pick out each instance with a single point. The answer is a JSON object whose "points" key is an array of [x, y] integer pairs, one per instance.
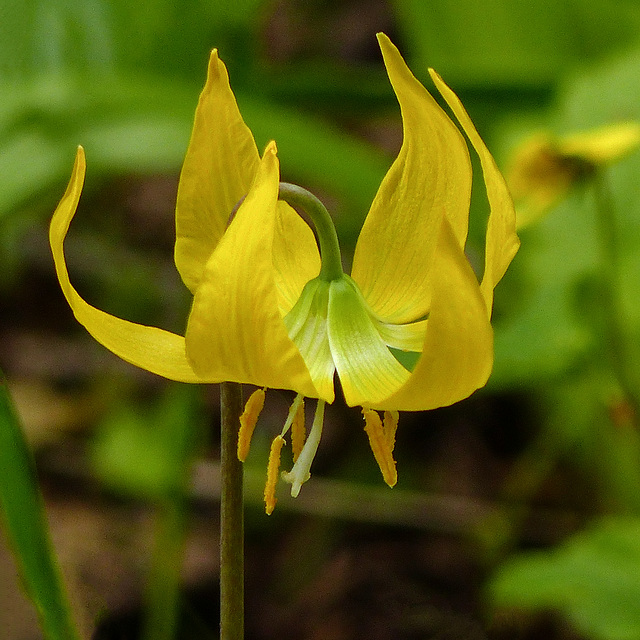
{"points": [[22, 512]]}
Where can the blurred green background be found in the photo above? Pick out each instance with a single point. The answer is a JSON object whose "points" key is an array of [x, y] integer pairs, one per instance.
{"points": [[517, 513]]}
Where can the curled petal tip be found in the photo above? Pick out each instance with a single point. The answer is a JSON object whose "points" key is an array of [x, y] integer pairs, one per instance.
{"points": [[215, 64], [80, 159], [271, 148], [385, 44]]}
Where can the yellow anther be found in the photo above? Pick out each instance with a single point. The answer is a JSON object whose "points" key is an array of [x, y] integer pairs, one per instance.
{"points": [[248, 420], [390, 425], [298, 431], [272, 474], [381, 440]]}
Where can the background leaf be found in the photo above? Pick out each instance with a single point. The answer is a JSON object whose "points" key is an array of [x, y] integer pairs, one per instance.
{"points": [[26, 526], [592, 578]]}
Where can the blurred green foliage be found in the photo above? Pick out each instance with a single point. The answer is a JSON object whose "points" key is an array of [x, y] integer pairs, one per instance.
{"points": [[122, 79], [498, 43], [147, 451], [592, 578]]}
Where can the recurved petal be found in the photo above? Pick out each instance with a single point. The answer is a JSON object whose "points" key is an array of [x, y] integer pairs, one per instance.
{"points": [[218, 169], [501, 241], [430, 178], [150, 348], [367, 370], [406, 337], [457, 354], [235, 330]]}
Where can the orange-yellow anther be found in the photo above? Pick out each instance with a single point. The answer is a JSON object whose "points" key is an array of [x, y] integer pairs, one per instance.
{"points": [[390, 425], [381, 440], [248, 420], [272, 474], [298, 431]]}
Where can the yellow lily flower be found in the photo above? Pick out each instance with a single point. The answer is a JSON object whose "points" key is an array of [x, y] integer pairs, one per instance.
{"points": [[410, 328], [544, 168]]}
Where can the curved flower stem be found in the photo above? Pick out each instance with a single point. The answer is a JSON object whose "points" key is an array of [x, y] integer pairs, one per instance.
{"points": [[327, 237], [231, 516], [612, 297]]}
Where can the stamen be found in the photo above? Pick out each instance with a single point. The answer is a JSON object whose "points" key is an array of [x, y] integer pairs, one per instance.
{"points": [[298, 431], [301, 469], [293, 410], [248, 420], [272, 474], [390, 425], [382, 440]]}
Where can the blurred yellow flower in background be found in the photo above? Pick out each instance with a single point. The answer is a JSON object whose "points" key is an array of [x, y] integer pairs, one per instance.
{"points": [[544, 168]]}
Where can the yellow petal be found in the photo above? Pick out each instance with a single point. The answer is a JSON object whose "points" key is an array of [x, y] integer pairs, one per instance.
{"points": [[295, 256], [602, 145], [457, 353], [406, 337], [430, 177], [220, 165], [235, 330], [501, 242], [150, 348]]}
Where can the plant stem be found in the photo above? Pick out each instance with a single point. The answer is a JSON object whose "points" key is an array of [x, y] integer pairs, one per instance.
{"points": [[296, 196], [231, 516], [612, 297], [163, 594]]}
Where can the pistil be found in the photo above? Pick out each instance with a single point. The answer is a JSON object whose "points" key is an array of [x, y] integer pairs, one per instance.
{"points": [[301, 469]]}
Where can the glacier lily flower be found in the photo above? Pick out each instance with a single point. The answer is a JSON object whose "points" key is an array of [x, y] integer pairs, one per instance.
{"points": [[544, 167], [408, 330]]}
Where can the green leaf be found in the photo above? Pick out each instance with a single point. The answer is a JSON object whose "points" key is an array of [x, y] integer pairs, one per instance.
{"points": [[26, 526], [592, 579]]}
